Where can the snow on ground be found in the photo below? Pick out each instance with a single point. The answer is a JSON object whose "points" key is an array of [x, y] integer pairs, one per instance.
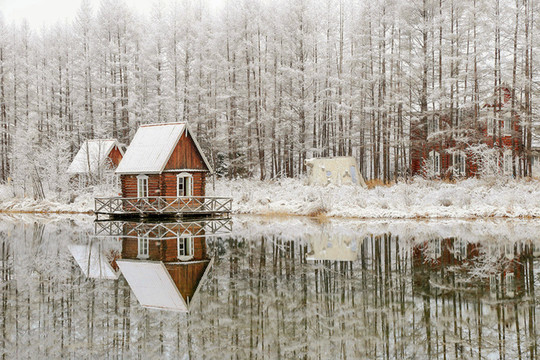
{"points": [[418, 199], [83, 201]]}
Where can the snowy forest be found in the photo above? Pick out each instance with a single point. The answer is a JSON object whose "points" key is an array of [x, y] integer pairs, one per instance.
{"points": [[264, 84]]}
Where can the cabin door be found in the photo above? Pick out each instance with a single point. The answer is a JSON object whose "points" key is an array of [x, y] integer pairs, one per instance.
{"points": [[184, 185]]}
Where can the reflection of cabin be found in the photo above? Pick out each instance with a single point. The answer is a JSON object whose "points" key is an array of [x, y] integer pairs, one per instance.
{"points": [[95, 261], [163, 160], [325, 246], [341, 170], [95, 157], [165, 265], [433, 260]]}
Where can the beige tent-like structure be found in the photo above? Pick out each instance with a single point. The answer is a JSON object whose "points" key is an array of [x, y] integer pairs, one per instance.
{"points": [[341, 170], [334, 247]]}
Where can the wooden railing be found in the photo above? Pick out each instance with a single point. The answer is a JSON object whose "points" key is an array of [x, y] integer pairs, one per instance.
{"points": [[163, 205], [163, 231]]}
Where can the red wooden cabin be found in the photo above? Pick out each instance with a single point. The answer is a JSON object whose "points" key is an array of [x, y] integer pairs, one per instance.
{"points": [[441, 142], [163, 160]]}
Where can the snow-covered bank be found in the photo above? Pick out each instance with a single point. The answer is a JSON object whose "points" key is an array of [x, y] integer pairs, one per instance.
{"points": [[420, 198], [82, 202]]}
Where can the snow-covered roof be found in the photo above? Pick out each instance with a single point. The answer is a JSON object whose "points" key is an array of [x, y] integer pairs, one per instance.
{"points": [[153, 286], [93, 262], [98, 151], [152, 147]]}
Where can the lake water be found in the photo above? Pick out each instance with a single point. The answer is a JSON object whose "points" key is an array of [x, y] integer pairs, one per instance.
{"points": [[269, 288]]}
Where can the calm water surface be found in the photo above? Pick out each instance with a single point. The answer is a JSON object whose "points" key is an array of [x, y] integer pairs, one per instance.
{"points": [[270, 288]]}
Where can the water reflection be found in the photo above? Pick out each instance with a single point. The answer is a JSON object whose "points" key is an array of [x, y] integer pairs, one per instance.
{"points": [[276, 289], [165, 264]]}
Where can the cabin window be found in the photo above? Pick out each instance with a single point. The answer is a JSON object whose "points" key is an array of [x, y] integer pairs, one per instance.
{"points": [[460, 249], [507, 162], [184, 184], [507, 126], [433, 125], [436, 248], [435, 162], [142, 186], [142, 249], [185, 247], [491, 128], [459, 160], [493, 283]]}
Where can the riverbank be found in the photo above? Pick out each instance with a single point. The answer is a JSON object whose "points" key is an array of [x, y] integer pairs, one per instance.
{"points": [[419, 199]]}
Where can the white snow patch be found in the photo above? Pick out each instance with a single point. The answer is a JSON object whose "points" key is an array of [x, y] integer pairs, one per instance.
{"points": [[417, 199]]}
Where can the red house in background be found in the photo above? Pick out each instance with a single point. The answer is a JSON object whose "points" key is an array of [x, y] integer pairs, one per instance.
{"points": [[441, 143]]}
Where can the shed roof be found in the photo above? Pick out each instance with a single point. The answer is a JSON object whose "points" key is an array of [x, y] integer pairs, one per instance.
{"points": [[152, 147], [93, 262], [153, 286], [93, 153]]}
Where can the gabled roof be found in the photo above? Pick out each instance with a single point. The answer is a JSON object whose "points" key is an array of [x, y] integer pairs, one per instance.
{"points": [[154, 287], [152, 146], [98, 151], [93, 263]]}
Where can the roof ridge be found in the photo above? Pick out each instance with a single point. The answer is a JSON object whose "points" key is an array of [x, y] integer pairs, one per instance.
{"points": [[162, 124]]}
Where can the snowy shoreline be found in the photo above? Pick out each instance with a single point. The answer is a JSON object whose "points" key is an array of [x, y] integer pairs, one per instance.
{"points": [[419, 199]]}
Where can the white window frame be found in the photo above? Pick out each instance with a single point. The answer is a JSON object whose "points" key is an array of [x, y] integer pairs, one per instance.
{"points": [[188, 190], [435, 161], [460, 249], [143, 247], [142, 186], [185, 247], [433, 125], [508, 162], [459, 160], [491, 126], [507, 125]]}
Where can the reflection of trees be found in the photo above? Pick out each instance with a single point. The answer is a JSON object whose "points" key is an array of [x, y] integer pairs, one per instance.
{"points": [[264, 300]]}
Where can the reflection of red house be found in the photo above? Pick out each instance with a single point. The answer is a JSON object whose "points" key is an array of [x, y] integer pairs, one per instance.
{"points": [[440, 257], [164, 268], [441, 142]]}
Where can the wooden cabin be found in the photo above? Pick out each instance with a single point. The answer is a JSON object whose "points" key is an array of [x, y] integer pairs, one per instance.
{"points": [[95, 157], [163, 160], [166, 265]]}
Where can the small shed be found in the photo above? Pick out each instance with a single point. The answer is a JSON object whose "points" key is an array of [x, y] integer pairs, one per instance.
{"points": [[334, 247], [341, 170], [163, 160], [96, 156], [95, 261]]}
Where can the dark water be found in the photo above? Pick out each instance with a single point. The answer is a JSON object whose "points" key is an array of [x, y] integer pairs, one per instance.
{"points": [[269, 289]]}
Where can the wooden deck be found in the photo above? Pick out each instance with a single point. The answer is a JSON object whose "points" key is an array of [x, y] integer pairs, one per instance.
{"points": [[162, 206]]}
